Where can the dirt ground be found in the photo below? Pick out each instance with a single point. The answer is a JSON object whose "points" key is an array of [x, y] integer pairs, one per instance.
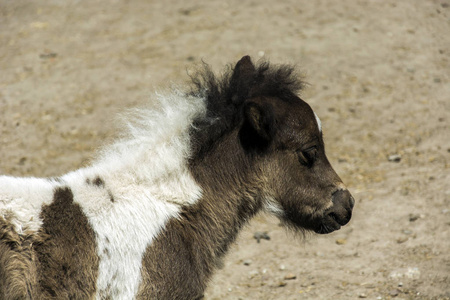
{"points": [[379, 78]]}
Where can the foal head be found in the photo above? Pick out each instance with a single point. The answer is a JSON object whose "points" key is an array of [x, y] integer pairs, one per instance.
{"points": [[284, 137], [280, 138], [301, 186]]}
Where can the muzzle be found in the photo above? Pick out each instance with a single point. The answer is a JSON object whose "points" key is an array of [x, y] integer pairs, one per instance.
{"points": [[339, 214]]}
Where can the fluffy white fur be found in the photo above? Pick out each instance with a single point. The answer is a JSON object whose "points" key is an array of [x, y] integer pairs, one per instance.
{"points": [[21, 200], [146, 173]]}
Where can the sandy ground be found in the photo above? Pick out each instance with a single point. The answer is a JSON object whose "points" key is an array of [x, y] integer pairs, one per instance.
{"points": [[379, 78]]}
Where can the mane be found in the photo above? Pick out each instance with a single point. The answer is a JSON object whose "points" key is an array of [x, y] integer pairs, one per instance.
{"points": [[225, 95], [182, 125], [154, 141]]}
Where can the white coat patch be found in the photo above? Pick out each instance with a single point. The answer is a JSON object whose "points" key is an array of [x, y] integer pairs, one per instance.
{"points": [[21, 200]]}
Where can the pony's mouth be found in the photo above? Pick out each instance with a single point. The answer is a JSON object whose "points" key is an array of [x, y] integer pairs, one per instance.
{"points": [[330, 223], [326, 228]]}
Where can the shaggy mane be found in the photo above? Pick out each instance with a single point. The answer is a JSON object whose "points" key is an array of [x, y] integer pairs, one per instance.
{"points": [[225, 95], [187, 124], [155, 140]]}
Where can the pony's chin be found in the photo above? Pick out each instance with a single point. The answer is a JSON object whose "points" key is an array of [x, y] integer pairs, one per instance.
{"points": [[327, 227]]}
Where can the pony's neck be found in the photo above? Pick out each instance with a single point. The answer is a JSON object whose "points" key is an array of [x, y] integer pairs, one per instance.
{"points": [[230, 195], [199, 237]]}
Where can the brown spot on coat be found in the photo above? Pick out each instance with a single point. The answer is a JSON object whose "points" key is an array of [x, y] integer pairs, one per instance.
{"points": [[98, 182], [111, 197], [68, 261], [18, 276], [58, 262]]}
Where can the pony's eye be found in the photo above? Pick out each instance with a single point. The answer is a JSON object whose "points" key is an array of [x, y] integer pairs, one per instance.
{"points": [[307, 156]]}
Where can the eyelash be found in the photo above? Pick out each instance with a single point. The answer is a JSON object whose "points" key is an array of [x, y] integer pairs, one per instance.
{"points": [[308, 156]]}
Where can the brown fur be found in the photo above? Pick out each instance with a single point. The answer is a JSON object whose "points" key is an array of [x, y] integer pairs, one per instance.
{"points": [[58, 262], [18, 277], [68, 258]]}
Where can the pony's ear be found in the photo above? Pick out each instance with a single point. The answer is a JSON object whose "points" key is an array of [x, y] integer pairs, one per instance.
{"points": [[258, 127], [242, 79]]}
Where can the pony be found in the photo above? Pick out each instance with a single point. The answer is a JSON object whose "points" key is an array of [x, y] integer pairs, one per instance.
{"points": [[156, 211]]}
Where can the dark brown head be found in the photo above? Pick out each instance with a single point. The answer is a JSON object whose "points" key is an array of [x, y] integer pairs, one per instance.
{"points": [[301, 186], [282, 140]]}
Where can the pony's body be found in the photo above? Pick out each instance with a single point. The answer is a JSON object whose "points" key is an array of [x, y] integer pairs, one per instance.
{"points": [[126, 197], [152, 217]]}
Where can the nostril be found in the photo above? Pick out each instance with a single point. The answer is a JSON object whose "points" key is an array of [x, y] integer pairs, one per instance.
{"points": [[341, 218]]}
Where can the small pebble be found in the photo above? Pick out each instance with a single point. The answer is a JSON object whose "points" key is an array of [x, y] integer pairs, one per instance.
{"points": [[362, 295], [394, 293], [247, 262], [341, 241], [290, 276], [401, 240], [261, 235], [394, 158], [413, 217], [282, 283], [48, 55]]}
